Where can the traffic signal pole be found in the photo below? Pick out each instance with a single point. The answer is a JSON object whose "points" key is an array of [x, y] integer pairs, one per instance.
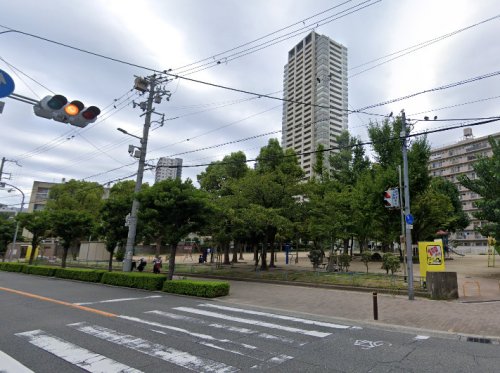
{"points": [[132, 228], [409, 249]]}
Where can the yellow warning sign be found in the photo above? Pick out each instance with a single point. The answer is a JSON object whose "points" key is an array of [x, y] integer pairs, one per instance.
{"points": [[431, 257]]}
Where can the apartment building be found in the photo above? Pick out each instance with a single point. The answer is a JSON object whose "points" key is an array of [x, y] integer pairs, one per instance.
{"points": [[168, 168], [451, 161], [315, 79]]}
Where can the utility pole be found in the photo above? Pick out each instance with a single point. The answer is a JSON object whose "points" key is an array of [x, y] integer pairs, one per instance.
{"points": [[2, 164], [409, 249], [401, 208], [147, 84]]}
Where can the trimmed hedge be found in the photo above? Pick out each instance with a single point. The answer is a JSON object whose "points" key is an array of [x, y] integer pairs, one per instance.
{"points": [[39, 270], [81, 274], [205, 289], [11, 267], [148, 281]]}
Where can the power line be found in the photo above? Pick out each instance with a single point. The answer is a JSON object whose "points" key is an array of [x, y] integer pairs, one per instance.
{"points": [[416, 47], [280, 39], [495, 119], [262, 37], [440, 88]]}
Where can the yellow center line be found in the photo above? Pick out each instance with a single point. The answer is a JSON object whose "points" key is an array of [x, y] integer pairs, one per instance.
{"points": [[39, 297]]}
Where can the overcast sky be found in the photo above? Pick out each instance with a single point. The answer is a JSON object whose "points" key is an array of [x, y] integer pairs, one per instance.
{"points": [[163, 34]]}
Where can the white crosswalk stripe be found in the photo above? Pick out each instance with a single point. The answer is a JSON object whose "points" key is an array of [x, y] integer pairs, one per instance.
{"points": [[10, 365], [81, 357], [171, 355], [275, 316], [254, 355], [225, 327], [291, 329]]}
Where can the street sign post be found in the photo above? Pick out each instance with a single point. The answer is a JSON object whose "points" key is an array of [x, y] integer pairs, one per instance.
{"points": [[409, 219], [6, 84]]}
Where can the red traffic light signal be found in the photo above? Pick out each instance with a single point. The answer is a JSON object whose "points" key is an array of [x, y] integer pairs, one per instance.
{"points": [[57, 108], [391, 198]]}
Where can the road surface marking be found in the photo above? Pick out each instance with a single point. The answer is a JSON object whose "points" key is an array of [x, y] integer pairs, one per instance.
{"points": [[11, 365], [368, 345], [421, 337], [275, 316], [313, 333], [117, 300], [230, 328], [81, 357], [277, 360], [171, 355], [52, 300]]}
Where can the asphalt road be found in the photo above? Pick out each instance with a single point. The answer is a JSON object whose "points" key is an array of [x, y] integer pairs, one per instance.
{"points": [[53, 325]]}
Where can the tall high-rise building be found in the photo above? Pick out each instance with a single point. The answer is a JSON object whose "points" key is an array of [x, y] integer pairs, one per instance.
{"points": [[168, 168], [316, 74]]}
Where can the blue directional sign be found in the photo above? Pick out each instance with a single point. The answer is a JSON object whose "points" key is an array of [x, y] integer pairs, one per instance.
{"points": [[409, 219], [6, 84]]}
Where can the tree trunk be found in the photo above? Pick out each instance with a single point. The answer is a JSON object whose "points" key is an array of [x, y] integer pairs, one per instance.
{"points": [[272, 260], [171, 261], [33, 249], [158, 245], [243, 246], [237, 245], [226, 245], [255, 248], [346, 246], [263, 265], [110, 261], [64, 256], [352, 244]]}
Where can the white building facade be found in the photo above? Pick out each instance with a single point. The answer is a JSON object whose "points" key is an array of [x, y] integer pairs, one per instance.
{"points": [[316, 75], [450, 162], [168, 168]]}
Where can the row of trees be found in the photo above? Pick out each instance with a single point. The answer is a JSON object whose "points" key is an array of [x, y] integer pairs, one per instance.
{"points": [[264, 206]]}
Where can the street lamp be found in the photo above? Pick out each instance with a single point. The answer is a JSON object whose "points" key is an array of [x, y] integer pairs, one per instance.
{"points": [[132, 219], [127, 133], [17, 225]]}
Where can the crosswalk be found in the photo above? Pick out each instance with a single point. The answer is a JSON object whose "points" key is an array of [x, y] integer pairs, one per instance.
{"points": [[207, 337]]}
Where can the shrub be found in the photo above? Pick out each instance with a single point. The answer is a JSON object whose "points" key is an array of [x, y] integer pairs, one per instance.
{"points": [[345, 261], [148, 281], [376, 257], [391, 263], [206, 289], [316, 257], [88, 275], [39, 270], [11, 267], [366, 257]]}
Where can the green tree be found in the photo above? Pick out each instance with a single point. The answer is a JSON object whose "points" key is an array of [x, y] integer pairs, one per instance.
{"points": [[70, 226], [271, 187], [7, 230], [219, 179], [487, 185], [458, 219], [112, 217], [179, 208], [218, 175], [73, 208], [37, 223]]}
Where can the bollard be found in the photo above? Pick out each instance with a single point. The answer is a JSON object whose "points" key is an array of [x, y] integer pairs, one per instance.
{"points": [[375, 306]]}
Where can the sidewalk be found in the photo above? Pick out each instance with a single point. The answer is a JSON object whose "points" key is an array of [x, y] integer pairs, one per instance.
{"points": [[476, 313]]}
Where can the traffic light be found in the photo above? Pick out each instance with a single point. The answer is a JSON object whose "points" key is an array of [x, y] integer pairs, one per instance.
{"points": [[391, 198], [57, 108]]}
